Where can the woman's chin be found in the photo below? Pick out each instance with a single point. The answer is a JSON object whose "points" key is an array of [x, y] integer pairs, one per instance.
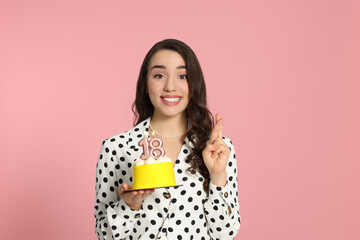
{"points": [[170, 114]]}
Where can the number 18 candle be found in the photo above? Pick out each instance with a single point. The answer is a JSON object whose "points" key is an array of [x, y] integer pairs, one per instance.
{"points": [[153, 150]]}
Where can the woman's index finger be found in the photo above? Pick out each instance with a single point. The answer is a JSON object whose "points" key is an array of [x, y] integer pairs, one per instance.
{"points": [[216, 130], [221, 120]]}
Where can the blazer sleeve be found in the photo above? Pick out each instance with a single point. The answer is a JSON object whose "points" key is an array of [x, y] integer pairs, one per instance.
{"points": [[114, 219], [222, 206]]}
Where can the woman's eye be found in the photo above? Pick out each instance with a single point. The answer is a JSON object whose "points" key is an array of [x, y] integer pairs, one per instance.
{"points": [[183, 76], [159, 76]]}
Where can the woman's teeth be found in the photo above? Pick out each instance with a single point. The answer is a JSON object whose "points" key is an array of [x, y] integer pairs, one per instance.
{"points": [[171, 99]]}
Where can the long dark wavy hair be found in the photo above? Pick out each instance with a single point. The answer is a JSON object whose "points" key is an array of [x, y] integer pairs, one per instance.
{"points": [[200, 118]]}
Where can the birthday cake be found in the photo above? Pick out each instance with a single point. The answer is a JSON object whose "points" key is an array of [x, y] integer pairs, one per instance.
{"points": [[153, 169], [153, 173]]}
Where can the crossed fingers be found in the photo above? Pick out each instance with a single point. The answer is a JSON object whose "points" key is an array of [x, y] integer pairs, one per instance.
{"points": [[216, 133]]}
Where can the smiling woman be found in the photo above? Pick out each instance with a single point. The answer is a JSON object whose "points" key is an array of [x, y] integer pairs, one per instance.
{"points": [[170, 108]]}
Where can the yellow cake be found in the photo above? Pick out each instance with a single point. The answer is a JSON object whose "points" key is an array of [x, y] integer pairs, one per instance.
{"points": [[153, 173]]}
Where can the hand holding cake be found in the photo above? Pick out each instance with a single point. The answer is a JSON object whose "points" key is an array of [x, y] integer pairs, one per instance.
{"points": [[133, 199]]}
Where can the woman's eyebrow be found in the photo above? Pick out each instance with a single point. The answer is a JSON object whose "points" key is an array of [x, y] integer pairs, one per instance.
{"points": [[158, 66], [163, 67], [181, 67]]}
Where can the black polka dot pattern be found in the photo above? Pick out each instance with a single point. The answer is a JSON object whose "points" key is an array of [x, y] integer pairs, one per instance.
{"points": [[185, 212]]}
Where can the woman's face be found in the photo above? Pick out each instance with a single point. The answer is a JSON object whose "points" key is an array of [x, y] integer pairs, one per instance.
{"points": [[167, 83]]}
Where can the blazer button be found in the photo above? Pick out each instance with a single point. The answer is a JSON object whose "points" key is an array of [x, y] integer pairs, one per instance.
{"points": [[166, 195], [226, 194]]}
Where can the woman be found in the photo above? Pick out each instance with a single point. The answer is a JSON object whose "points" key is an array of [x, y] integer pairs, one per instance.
{"points": [[171, 105]]}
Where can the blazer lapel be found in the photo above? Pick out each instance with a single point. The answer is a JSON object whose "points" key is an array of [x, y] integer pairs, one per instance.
{"points": [[181, 165]]}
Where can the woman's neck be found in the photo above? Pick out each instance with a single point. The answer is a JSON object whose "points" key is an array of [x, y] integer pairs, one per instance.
{"points": [[169, 126]]}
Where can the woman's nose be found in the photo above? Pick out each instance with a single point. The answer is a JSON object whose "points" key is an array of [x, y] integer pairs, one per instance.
{"points": [[170, 84]]}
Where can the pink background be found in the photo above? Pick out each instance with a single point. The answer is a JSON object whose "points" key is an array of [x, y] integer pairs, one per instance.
{"points": [[284, 74]]}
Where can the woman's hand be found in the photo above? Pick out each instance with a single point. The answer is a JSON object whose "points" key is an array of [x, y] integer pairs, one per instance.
{"points": [[216, 155], [133, 199]]}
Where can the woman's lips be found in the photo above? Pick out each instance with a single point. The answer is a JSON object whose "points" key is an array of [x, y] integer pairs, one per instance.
{"points": [[171, 100]]}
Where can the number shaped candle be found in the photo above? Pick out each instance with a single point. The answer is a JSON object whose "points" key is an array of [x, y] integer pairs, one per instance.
{"points": [[154, 151], [144, 143]]}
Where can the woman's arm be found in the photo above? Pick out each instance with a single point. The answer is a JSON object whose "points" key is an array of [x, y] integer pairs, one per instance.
{"points": [[221, 207], [114, 218]]}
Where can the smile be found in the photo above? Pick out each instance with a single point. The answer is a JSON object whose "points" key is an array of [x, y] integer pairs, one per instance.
{"points": [[170, 101]]}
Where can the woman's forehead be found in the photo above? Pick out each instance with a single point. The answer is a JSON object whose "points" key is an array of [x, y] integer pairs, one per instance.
{"points": [[167, 59]]}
